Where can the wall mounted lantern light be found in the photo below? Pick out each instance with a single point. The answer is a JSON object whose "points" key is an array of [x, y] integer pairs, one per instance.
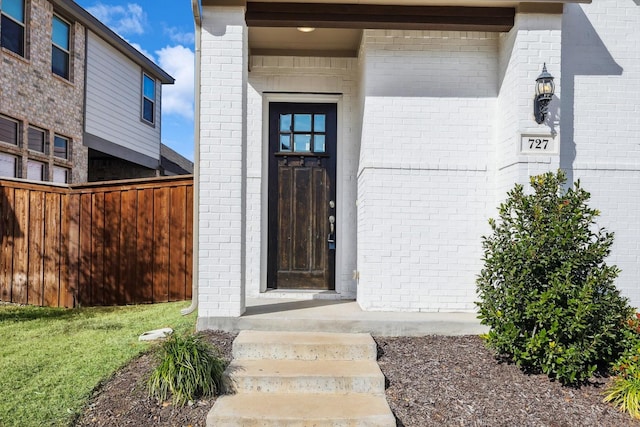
{"points": [[544, 95]]}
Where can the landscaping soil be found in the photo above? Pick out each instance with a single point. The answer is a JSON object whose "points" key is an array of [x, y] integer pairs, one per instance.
{"points": [[431, 381], [456, 381], [123, 400]]}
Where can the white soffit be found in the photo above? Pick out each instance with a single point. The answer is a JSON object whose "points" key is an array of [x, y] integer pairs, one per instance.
{"points": [[340, 42]]}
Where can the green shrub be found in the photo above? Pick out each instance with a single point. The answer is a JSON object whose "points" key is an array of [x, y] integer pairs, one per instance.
{"points": [[189, 368], [624, 390], [545, 290]]}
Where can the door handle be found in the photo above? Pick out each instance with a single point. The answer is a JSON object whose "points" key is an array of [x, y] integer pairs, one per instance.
{"points": [[331, 238]]}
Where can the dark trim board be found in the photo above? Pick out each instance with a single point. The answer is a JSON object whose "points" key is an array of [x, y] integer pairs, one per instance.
{"points": [[360, 16], [115, 150]]}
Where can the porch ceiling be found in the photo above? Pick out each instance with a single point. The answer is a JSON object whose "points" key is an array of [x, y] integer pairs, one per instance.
{"points": [[336, 42]]}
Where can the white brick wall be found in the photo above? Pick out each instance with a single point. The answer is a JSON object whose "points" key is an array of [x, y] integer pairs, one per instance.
{"points": [[601, 121], [429, 134], [419, 238], [428, 102], [223, 137], [534, 40]]}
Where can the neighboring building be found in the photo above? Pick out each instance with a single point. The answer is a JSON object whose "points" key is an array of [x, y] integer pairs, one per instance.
{"points": [[75, 98], [363, 159], [173, 163]]}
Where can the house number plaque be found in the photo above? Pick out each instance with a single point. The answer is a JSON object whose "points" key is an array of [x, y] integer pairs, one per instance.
{"points": [[538, 144]]}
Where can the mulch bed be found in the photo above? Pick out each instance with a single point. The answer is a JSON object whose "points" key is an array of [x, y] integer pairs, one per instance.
{"points": [[456, 381], [123, 400], [432, 381]]}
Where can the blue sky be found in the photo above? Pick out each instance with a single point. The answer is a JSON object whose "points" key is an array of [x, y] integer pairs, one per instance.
{"points": [[163, 30]]}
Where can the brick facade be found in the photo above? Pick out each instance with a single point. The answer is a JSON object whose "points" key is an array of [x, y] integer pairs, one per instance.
{"points": [[32, 95], [426, 140], [430, 139], [600, 121], [221, 180]]}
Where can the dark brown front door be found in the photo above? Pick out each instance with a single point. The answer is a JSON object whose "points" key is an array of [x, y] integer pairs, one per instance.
{"points": [[302, 176]]}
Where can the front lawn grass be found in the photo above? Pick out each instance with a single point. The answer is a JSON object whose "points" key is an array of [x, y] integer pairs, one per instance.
{"points": [[51, 359]]}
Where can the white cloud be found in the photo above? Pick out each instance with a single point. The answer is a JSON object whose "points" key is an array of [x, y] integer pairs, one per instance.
{"points": [[179, 37], [123, 20], [178, 98], [142, 51]]}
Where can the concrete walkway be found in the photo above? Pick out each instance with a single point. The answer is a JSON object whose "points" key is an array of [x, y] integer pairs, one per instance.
{"points": [[322, 315]]}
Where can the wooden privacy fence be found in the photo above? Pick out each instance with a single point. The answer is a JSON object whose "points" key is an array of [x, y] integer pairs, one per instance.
{"points": [[112, 243]]}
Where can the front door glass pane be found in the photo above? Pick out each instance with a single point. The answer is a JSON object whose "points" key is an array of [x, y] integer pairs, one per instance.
{"points": [[319, 123], [319, 143], [302, 122], [302, 142], [285, 122], [285, 142], [303, 132]]}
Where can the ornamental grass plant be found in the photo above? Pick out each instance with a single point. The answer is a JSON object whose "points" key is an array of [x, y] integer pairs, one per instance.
{"points": [[189, 368], [624, 390]]}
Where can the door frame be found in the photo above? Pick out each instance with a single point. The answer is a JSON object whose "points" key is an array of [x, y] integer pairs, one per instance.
{"points": [[306, 98]]}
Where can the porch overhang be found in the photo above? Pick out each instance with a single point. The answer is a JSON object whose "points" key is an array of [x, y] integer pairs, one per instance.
{"points": [[339, 23], [368, 16]]}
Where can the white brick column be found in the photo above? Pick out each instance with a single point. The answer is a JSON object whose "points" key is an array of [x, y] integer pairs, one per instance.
{"points": [[222, 163], [534, 40]]}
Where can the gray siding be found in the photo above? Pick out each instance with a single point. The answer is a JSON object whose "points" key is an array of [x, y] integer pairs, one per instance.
{"points": [[113, 100]]}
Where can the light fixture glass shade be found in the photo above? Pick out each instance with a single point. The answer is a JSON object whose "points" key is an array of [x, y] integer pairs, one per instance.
{"points": [[544, 94], [544, 83], [306, 29], [545, 87]]}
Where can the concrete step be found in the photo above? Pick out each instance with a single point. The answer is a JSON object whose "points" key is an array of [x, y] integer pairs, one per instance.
{"points": [[300, 376], [256, 345], [300, 410]]}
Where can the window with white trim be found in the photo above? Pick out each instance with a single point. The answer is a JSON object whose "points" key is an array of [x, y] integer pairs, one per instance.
{"points": [[12, 26], [148, 99], [36, 139], [60, 147], [60, 175], [36, 171], [9, 130], [60, 47], [8, 165]]}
